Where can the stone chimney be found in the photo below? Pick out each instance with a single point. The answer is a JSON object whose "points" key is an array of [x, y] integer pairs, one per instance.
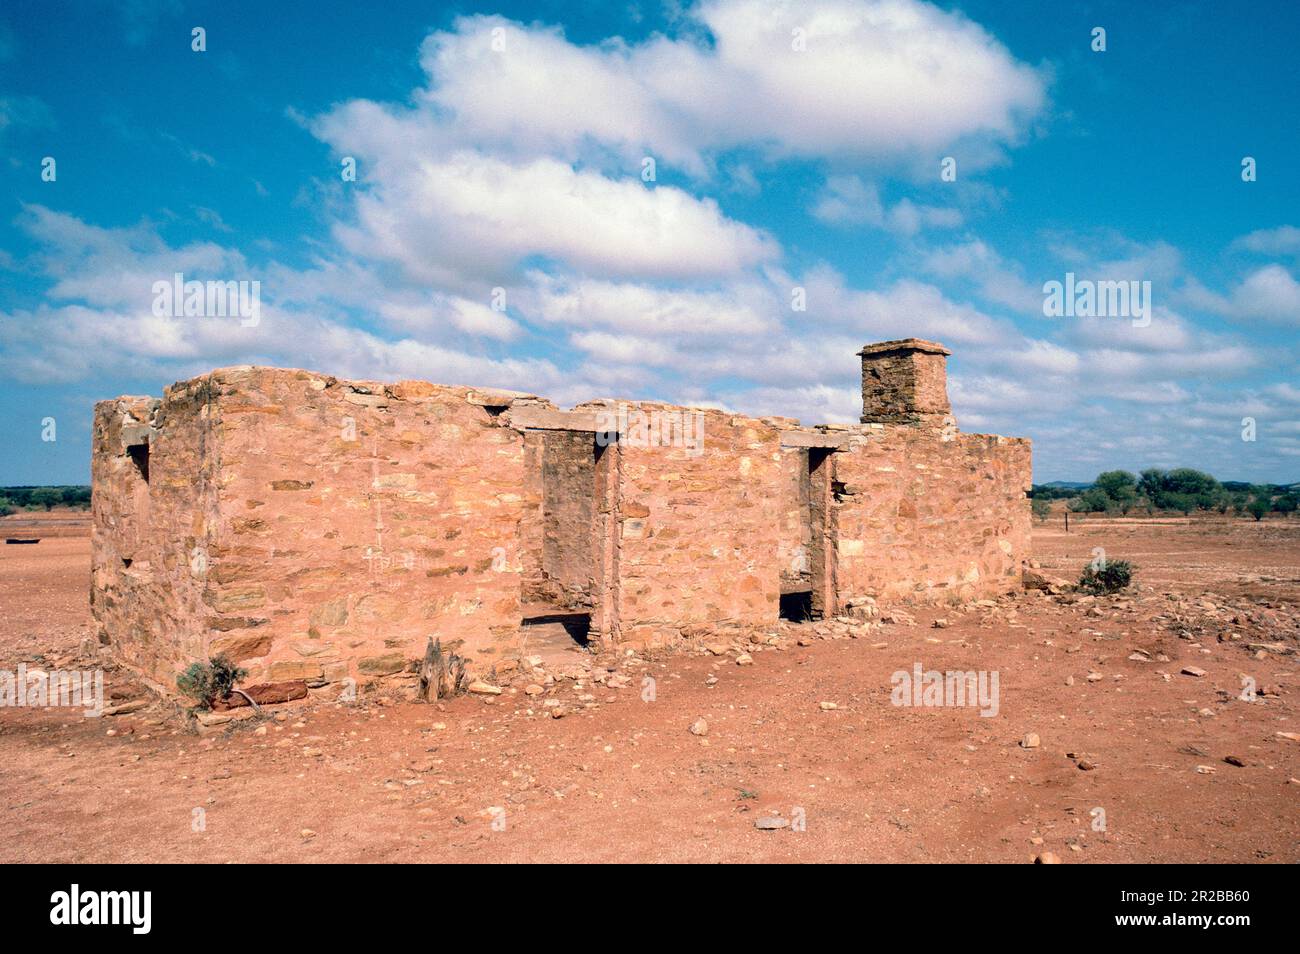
{"points": [[905, 382]]}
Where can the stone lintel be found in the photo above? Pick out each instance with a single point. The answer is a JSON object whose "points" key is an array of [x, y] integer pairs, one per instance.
{"points": [[801, 437], [534, 417]]}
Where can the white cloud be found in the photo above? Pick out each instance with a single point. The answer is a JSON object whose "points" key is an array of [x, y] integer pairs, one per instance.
{"points": [[1283, 240], [908, 78], [657, 312], [847, 200], [101, 318], [992, 278], [475, 218], [1270, 293]]}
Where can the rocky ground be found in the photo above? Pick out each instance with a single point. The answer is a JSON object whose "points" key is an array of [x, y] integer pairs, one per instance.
{"points": [[1157, 725]]}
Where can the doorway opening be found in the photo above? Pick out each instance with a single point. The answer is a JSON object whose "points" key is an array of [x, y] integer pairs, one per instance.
{"points": [[821, 557], [806, 580], [566, 541], [797, 607]]}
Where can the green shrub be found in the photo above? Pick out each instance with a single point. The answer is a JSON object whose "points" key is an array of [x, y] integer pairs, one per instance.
{"points": [[205, 683], [1106, 577]]}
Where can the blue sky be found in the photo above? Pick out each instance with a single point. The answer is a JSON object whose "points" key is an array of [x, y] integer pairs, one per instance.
{"points": [[502, 146]]}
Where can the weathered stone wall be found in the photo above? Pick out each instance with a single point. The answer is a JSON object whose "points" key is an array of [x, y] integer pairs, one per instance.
{"points": [[149, 538], [357, 520], [319, 529], [701, 532], [920, 516]]}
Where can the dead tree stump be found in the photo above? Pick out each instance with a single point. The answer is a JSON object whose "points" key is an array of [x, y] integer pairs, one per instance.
{"points": [[441, 674]]}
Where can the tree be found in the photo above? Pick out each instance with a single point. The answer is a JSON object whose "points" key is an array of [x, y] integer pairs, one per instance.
{"points": [[46, 497], [1151, 483], [1261, 501], [1201, 487], [1042, 508], [1180, 489], [1091, 500], [1117, 484]]}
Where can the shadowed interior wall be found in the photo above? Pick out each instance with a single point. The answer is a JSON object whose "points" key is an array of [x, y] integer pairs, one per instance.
{"points": [[792, 550], [568, 518]]}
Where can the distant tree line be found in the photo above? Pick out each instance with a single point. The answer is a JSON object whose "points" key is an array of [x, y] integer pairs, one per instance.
{"points": [[13, 499], [1182, 489]]}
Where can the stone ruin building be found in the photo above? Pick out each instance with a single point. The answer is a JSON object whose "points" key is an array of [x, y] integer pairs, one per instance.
{"points": [[318, 529]]}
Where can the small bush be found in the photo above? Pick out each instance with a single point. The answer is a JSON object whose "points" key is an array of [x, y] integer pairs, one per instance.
{"points": [[205, 683], [1109, 577]]}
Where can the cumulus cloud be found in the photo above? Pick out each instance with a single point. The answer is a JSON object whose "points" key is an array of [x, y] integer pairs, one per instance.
{"points": [[1283, 240], [1270, 293], [666, 312], [847, 200], [977, 264], [98, 317], [908, 78], [484, 216]]}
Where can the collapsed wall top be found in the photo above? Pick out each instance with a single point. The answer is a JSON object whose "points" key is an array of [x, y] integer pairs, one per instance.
{"points": [[905, 382]]}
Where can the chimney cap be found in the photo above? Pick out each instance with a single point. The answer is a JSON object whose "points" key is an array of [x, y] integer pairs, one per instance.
{"points": [[904, 345]]}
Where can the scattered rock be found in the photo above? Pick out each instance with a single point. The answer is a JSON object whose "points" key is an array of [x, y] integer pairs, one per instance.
{"points": [[699, 727], [1030, 741], [1047, 858], [135, 705], [771, 823], [1193, 671]]}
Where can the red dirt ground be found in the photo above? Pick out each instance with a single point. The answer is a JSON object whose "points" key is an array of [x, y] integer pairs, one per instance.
{"points": [[622, 779]]}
